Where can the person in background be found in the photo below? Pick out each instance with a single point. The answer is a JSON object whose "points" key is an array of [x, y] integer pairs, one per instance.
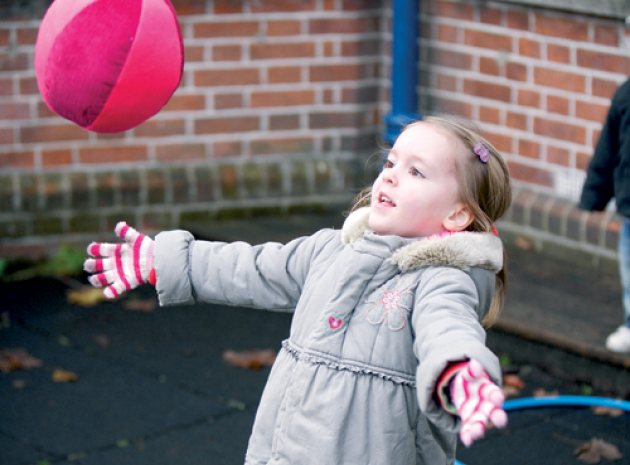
{"points": [[608, 177], [386, 358]]}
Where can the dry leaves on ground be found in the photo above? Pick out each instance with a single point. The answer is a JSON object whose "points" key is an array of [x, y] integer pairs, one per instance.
{"points": [[251, 360], [64, 376], [512, 385], [541, 392], [613, 412], [85, 296], [17, 359], [140, 305], [595, 450]]}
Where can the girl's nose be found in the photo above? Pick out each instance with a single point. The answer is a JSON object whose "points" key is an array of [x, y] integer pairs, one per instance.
{"points": [[389, 176]]}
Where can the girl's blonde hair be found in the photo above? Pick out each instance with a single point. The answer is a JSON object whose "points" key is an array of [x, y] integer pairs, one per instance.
{"points": [[483, 187]]}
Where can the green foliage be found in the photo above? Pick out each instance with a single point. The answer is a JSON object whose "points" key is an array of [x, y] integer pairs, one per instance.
{"points": [[68, 261]]}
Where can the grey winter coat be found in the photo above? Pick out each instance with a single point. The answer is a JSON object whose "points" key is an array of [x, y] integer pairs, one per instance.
{"points": [[376, 321]]}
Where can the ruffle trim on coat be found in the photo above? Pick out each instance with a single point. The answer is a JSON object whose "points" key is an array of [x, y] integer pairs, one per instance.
{"points": [[334, 363], [460, 250]]}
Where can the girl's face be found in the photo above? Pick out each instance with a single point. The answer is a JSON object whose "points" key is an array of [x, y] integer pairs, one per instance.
{"points": [[416, 194]]}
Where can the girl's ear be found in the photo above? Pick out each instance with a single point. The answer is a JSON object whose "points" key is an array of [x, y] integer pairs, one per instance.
{"points": [[459, 219]]}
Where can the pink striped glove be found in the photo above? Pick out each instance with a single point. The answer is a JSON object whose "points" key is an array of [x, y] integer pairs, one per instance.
{"points": [[476, 399], [121, 267]]}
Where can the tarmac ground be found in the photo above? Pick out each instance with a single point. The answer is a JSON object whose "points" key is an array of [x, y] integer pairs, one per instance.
{"points": [[152, 387]]}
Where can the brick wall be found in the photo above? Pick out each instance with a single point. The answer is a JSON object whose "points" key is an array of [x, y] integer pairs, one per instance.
{"points": [[282, 103], [279, 105], [538, 82]]}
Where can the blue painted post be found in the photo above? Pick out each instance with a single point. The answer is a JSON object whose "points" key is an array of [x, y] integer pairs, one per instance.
{"points": [[404, 97]]}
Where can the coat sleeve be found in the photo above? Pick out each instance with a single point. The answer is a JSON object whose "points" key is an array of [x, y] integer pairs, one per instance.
{"points": [[446, 322], [269, 276], [599, 186]]}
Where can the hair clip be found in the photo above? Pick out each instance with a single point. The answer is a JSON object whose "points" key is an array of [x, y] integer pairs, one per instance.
{"points": [[482, 152]]}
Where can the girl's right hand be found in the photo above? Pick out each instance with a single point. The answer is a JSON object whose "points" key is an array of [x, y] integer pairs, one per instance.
{"points": [[123, 266]]}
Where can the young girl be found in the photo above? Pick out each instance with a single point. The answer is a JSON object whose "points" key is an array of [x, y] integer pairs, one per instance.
{"points": [[386, 359]]}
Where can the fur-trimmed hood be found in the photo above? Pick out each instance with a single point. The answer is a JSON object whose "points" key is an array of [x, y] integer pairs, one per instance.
{"points": [[460, 250]]}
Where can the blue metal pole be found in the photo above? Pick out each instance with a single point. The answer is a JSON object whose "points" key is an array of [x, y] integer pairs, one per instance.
{"points": [[404, 80]]}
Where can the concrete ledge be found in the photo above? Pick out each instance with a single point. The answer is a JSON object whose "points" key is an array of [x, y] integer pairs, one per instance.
{"points": [[618, 9]]}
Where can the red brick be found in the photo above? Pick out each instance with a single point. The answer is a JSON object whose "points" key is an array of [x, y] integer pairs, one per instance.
{"points": [[487, 90], [227, 148], [227, 77], [530, 174], [335, 73], [6, 86], [528, 98], [489, 115], [363, 47], [558, 105], [518, 19], [194, 53], [227, 125], [181, 102], [361, 94], [14, 110], [226, 29], [516, 120], [26, 36], [582, 159], [180, 152], [189, 7], [590, 111], [224, 101], [488, 40], [284, 74], [446, 82], [160, 128], [560, 79], [338, 119], [279, 51], [529, 148], [17, 160], [561, 26], [226, 53], [341, 26], [28, 86], [516, 71], [4, 37], [451, 59], [452, 10], [14, 61], [282, 98], [447, 33], [501, 142], [284, 122], [113, 154], [559, 130], [603, 87], [455, 107], [558, 156], [489, 15], [227, 7], [283, 28], [558, 53], [606, 35], [528, 47], [329, 49], [7, 136], [604, 61], [54, 158], [282, 6], [52, 133], [489, 66]]}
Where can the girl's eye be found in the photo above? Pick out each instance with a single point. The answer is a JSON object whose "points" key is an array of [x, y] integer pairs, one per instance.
{"points": [[415, 172], [388, 164]]}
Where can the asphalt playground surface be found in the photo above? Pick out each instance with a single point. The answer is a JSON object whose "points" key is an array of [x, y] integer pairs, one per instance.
{"points": [[152, 387]]}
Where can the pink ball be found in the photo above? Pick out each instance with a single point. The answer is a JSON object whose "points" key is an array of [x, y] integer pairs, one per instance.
{"points": [[108, 65]]}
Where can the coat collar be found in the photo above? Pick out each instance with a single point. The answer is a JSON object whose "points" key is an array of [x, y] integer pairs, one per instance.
{"points": [[459, 250]]}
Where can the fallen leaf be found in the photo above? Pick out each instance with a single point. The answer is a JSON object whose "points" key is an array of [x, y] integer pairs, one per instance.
{"points": [[64, 376], [524, 243], [17, 359], [613, 412], [140, 305], [85, 296], [512, 385], [102, 341], [540, 392], [252, 360], [594, 450]]}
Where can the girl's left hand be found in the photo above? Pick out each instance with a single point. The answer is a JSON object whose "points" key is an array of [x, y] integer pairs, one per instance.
{"points": [[477, 400]]}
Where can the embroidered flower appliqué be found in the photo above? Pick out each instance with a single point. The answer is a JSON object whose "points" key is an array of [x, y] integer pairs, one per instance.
{"points": [[389, 307]]}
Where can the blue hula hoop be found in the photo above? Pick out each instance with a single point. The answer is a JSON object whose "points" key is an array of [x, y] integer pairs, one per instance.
{"points": [[562, 401]]}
